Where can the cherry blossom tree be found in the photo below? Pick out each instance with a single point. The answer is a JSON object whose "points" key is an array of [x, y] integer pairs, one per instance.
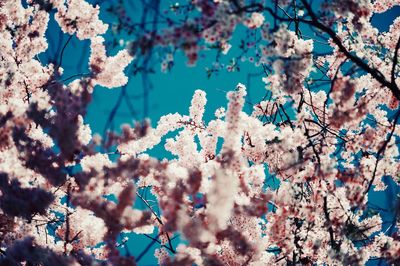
{"points": [[288, 183]]}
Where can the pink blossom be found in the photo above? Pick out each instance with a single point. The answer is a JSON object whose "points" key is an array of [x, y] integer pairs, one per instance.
{"points": [[79, 17], [108, 71]]}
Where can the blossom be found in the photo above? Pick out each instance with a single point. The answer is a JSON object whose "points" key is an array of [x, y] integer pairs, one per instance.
{"points": [[382, 6], [221, 199], [107, 71], [220, 112], [256, 20], [225, 47], [79, 17], [95, 162], [291, 70], [236, 102], [84, 132], [197, 106]]}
